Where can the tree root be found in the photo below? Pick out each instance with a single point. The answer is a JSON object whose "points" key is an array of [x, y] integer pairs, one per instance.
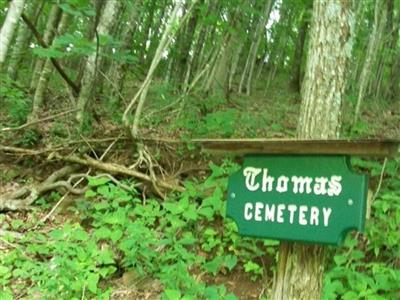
{"points": [[27, 195], [119, 169]]}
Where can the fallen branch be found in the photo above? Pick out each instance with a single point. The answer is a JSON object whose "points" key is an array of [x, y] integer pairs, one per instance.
{"points": [[15, 201], [13, 234], [117, 169], [38, 121]]}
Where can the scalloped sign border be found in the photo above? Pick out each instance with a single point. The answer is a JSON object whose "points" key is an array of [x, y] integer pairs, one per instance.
{"points": [[305, 198]]}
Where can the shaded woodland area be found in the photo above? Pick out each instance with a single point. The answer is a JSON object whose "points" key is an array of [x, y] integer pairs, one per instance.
{"points": [[105, 192]]}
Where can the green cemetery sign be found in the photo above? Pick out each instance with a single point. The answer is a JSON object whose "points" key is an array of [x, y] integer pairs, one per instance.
{"points": [[306, 198]]}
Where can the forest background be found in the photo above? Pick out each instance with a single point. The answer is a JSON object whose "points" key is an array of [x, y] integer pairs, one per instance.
{"points": [[104, 192]]}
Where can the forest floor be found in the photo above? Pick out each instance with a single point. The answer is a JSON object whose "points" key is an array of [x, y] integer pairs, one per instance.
{"points": [[126, 243]]}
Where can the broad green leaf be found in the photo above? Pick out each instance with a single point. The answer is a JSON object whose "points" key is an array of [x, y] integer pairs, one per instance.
{"points": [[103, 233], [4, 271], [98, 181], [208, 212], [230, 261], [6, 295], [49, 53], [230, 297], [340, 259], [172, 294], [80, 235], [191, 213], [90, 193], [116, 235], [92, 280]]}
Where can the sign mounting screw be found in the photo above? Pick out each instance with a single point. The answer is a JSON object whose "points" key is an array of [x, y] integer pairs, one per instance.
{"points": [[233, 195], [350, 202]]}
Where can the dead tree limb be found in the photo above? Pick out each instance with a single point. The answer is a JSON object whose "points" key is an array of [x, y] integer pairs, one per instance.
{"points": [[39, 120], [25, 196], [118, 169]]}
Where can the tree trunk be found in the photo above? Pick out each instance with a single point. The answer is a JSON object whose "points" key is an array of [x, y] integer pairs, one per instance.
{"points": [[24, 35], [235, 63], [89, 77], [301, 267], [146, 36], [379, 20], [118, 69], [45, 75], [393, 26], [230, 42], [90, 34], [7, 30], [184, 58], [249, 67], [298, 54], [51, 27], [142, 93]]}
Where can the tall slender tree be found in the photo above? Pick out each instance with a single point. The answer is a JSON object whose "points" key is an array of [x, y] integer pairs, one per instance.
{"points": [[378, 26], [298, 53], [106, 20], [247, 74], [51, 27], [10, 24], [393, 27], [301, 267], [140, 96], [46, 72], [24, 35]]}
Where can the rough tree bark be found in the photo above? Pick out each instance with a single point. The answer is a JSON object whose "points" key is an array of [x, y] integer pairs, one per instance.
{"points": [[89, 76], [7, 30], [301, 267], [370, 56]]}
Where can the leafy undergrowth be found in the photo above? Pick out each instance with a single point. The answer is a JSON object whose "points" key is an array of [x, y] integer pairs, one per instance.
{"points": [[122, 246], [368, 266], [115, 244]]}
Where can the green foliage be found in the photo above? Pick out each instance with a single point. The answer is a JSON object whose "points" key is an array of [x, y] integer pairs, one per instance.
{"points": [[367, 267], [29, 138], [253, 268], [172, 241], [14, 102]]}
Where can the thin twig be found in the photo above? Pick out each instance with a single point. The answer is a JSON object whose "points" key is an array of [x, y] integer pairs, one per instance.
{"points": [[380, 181], [116, 89], [90, 146], [46, 217], [39, 121], [9, 244], [109, 147]]}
